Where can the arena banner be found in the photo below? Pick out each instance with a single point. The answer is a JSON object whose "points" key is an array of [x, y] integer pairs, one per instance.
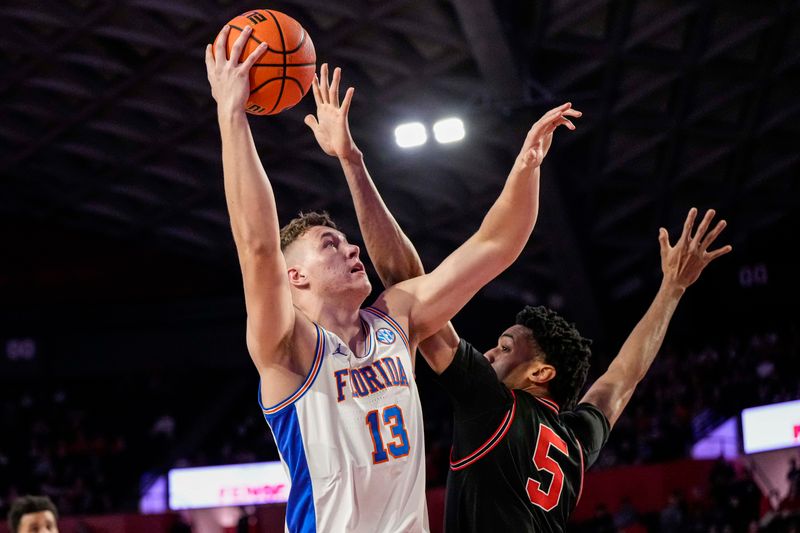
{"points": [[771, 427], [228, 485]]}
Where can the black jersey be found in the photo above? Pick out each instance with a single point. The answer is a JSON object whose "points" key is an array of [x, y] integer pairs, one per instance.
{"points": [[517, 462]]}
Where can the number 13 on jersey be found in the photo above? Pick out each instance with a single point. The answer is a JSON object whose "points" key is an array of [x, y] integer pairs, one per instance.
{"points": [[392, 418]]}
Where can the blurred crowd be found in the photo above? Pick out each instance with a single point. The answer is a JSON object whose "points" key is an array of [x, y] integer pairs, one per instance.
{"points": [[88, 443]]}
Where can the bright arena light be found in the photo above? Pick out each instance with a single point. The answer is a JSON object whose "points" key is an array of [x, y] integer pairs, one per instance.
{"points": [[410, 135], [449, 130]]}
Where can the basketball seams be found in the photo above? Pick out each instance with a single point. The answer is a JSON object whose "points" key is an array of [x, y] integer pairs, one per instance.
{"points": [[288, 78], [299, 45], [283, 47]]}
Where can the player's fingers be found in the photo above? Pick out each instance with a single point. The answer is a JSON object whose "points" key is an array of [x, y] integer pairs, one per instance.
{"points": [[219, 45], [315, 89], [348, 97], [718, 252], [568, 123], [333, 97], [550, 116], [209, 61], [555, 112], [663, 239], [238, 45], [558, 121], [311, 122], [713, 234], [323, 83], [572, 113], [703, 226], [688, 224], [560, 109], [254, 56]]}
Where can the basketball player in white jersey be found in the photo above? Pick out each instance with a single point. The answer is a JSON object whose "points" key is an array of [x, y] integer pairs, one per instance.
{"points": [[337, 385]]}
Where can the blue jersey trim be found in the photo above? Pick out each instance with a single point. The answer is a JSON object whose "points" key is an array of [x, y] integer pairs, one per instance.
{"points": [[301, 516], [319, 353]]}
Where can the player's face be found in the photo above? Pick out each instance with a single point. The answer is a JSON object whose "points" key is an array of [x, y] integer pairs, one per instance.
{"points": [[41, 522], [512, 355], [333, 264]]}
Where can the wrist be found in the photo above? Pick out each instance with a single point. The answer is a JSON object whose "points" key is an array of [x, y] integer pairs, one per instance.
{"points": [[671, 289], [352, 156], [227, 116]]}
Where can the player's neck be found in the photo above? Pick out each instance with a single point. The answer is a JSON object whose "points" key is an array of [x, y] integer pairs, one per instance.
{"points": [[538, 391], [344, 321]]}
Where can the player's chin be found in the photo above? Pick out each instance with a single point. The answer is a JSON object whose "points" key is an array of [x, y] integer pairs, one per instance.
{"points": [[366, 285]]}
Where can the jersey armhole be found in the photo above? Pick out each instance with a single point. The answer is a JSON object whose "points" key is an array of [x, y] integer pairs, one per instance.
{"points": [[302, 389]]}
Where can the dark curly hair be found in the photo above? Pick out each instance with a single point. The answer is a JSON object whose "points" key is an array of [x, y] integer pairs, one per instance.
{"points": [[563, 347], [297, 227], [26, 505]]}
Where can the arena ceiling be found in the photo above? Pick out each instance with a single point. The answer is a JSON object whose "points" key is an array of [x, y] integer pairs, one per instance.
{"points": [[108, 137]]}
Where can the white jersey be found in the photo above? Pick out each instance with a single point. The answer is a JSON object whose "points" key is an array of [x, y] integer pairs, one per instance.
{"points": [[351, 437]]}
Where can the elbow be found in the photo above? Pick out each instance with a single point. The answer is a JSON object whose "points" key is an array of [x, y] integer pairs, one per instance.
{"points": [[625, 374], [255, 247]]}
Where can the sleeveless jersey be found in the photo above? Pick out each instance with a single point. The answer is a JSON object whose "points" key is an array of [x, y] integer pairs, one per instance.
{"points": [[518, 461], [351, 437]]}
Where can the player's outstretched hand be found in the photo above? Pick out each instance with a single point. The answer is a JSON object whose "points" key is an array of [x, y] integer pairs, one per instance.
{"points": [[540, 136], [230, 79], [330, 126], [683, 263]]}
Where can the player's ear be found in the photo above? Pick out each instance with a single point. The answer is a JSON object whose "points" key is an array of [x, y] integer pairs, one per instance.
{"points": [[541, 373], [297, 277]]}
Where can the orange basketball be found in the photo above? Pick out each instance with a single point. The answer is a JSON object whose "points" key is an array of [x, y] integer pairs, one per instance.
{"points": [[283, 75]]}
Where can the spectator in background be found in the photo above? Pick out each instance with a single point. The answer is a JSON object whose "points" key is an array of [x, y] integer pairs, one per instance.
{"points": [[673, 516], [626, 516], [794, 478], [603, 521], [33, 514]]}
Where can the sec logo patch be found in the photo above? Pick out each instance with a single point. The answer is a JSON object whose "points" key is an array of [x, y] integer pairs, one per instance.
{"points": [[385, 336]]}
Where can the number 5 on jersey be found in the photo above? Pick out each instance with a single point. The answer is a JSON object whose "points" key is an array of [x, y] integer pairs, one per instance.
{"points": [[542, 460], [392, 417]]}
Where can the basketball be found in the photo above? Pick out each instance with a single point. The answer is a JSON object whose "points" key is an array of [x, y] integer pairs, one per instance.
{"points": [[283, 75]]}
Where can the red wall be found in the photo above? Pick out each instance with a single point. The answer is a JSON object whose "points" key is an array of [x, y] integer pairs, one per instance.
{"points": [[648, 487]]}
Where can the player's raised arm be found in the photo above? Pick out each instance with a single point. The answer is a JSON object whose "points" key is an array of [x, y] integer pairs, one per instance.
{"points": [[390, 250], [392, 254], [431, 300], [251, 205], [681, 264]]}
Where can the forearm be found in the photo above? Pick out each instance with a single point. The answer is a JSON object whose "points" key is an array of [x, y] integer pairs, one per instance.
{"points": [[509, 222], [642, 345], [248, 193], [391, 252], [614, 389]]}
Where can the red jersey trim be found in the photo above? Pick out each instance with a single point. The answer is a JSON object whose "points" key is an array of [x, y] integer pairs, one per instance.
{"points": [[490, 444]]}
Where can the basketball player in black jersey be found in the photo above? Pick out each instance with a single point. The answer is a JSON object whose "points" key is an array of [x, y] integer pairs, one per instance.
{"points": [[521, 445]]}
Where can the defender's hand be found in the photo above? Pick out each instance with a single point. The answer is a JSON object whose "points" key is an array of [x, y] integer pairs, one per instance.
{"points": [[683, 263], [330, 126]]}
